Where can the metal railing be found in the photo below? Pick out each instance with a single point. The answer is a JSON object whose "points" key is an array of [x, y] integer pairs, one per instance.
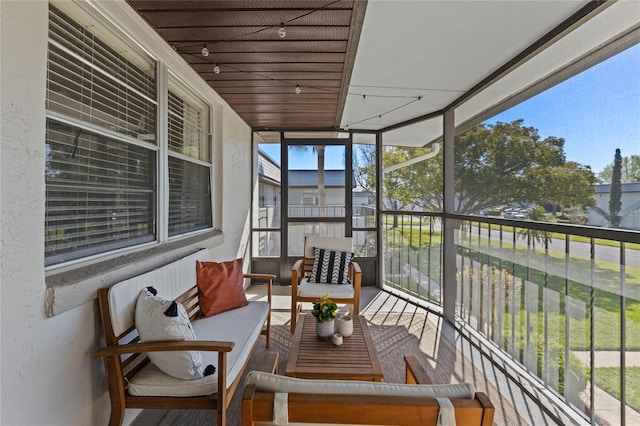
{"points": [[560, 301], [412, 254], [329, 210]]}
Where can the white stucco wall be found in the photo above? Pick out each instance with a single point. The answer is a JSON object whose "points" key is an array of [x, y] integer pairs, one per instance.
{"points": [[48, 375]]}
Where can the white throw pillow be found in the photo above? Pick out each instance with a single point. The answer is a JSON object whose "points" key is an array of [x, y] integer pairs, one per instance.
{"points": [[161, 319]]}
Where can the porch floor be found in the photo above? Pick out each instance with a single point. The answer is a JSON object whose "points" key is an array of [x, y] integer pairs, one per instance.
{"points": [[449, 356], [452, 356]]}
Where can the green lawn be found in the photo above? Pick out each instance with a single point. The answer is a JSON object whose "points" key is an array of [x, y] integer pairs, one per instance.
{"points": [[554, 280], [609, 379]]}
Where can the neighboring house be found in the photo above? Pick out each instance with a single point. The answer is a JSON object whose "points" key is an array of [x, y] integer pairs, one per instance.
{"points": [[304, 198], [269, 191], [269, 202], [629, 213]]}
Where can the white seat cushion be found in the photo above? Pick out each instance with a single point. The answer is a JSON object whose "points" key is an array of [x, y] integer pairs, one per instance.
{"points": [[241, 325], [307, 289], [268, 382]]}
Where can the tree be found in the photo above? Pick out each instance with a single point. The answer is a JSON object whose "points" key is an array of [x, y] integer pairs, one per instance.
{"points": [[571, 184], [322, 195], [532, 235], [630, 170], [502, 164], [495, 164], [402, 185], [615, 194]]}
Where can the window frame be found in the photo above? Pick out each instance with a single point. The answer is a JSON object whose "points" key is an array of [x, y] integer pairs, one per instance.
{"points": [[162, 242]]}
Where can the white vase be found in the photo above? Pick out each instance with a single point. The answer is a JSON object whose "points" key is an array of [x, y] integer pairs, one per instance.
{"points": [[344, 325], [325, 330]]}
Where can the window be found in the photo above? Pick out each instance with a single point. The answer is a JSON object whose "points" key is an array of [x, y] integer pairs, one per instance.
{"points": [[309, 198], [189, 162], [102, 151], [99, 196]]}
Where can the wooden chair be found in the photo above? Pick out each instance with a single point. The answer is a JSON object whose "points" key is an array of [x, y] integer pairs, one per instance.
{"points": [[270, 399], [304, 291]]}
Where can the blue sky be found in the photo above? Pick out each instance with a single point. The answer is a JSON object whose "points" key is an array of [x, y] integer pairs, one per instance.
{"points": [[595, 112]]}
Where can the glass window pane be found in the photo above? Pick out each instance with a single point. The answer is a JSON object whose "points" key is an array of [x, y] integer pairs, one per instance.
{"points": [[267, 202], [189, 130], [316, 181], [412, 167], [365, 243], [189, 196], [364, 193], [100, 194], [266, 244], [88, 80], [188, 126], [297, 232], [552, 157]]}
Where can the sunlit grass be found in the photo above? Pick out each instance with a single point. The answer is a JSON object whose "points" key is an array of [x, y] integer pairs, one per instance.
{"points": [[608, 378]]}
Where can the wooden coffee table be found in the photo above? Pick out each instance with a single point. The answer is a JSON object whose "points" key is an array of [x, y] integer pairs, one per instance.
{"points": [[313, 358]]}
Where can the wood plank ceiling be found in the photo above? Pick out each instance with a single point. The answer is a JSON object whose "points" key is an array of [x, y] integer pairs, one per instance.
{"points": [[258, 70]]}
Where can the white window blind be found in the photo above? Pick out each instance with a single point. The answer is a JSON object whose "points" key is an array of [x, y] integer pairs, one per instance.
{"points": [[92, 82], [189, 196], [189, 161], [100, 194], [101, 152]]}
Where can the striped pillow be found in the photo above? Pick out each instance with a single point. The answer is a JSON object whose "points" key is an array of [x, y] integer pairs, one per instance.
{"points": [[330, 266]]}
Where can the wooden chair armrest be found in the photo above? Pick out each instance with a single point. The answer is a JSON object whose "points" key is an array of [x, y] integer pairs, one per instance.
{"points": [[416, 374], [265, 277], [355, 274], [484, 400], [165, 345], [298, 266]]}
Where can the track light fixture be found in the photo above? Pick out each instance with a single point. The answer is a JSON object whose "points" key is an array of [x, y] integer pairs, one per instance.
{"points": [[282, 33]]}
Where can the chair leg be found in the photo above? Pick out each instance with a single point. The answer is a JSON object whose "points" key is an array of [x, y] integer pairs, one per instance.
{"points": [[294, 316], [295, 313]]}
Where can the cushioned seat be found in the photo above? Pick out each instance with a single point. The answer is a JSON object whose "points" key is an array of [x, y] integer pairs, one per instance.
{"points": [[304, 289], [227, 326], [315, 290], [270, 399], [274, 383]]}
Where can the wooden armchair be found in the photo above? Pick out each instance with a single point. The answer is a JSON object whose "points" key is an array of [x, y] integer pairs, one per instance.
{"points": [[270, 399], [302, 290]]}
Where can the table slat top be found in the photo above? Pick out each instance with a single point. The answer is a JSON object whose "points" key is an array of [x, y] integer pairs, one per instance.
{"points": [[313, 358]]}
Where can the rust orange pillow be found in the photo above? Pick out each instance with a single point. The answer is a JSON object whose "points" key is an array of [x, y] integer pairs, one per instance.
{"points": [[220, 286]]}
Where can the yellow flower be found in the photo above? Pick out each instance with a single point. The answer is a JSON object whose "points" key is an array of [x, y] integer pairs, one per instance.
{"points": [[324, 309]]}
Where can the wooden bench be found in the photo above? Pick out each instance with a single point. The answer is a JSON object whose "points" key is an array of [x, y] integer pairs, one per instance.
{"points": [[268, 398], [232, 334]]}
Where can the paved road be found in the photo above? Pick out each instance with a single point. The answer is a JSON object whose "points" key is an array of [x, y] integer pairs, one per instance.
{"points": [[578, 249], [579, 268]]}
